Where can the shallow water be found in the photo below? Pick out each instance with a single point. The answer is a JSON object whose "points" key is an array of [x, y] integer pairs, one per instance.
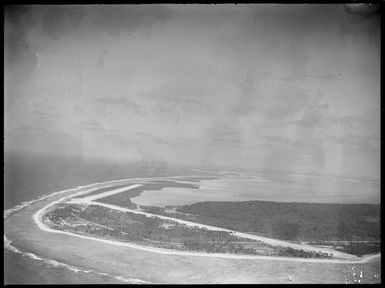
{"points": [[281, 188], [29, 177], [19, 269]]}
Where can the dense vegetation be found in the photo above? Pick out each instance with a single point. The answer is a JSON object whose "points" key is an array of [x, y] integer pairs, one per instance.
{"points": [[103, 222], [360, 248], [291, 252], [289, 221]]}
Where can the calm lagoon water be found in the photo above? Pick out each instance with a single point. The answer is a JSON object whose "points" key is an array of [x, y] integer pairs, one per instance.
{"points": [[27, 177], [285, 188]]}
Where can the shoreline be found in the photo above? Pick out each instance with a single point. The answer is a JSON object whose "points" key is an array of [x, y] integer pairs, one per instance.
{"points": [[53, 263], [348, 257], [88, 200], [143, 249]]}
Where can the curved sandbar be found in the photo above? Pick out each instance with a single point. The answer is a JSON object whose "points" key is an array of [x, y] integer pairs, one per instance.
{"points": [[163, 268]]}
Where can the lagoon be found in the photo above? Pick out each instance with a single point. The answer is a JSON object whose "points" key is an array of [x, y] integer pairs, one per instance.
{"points": [[280, 188]]}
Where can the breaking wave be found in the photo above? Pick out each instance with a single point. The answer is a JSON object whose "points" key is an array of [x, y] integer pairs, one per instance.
{"points": [[53, 263], [56, 264]]}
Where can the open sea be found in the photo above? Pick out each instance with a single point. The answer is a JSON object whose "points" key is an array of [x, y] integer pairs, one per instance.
{"points": [[28, 177]]}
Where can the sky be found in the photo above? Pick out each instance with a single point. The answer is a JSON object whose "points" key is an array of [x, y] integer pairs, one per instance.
{"points": [[270, 87]]}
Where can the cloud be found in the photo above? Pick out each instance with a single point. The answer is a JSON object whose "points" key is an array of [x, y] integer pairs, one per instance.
{"points": [[92, 126], [34, 130], [89, 123], [20, 59], [59, 20], [41, 140], [225, 134], [247, 102], [284, 29], [123, 102], [360, 126], [353, 120], [41, 113], [288, 101], [363, 10], [46, 23], [50, 23], [323, 77], [31, 129], [148, 137], [178, 99], [286, 79], [280, 140], [310, 118], [103, 54], [214, 72], [324, 106], [116, 19], [181, 105]]}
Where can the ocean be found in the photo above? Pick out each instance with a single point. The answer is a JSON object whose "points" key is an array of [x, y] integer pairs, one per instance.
{"points": [[30, 176]]}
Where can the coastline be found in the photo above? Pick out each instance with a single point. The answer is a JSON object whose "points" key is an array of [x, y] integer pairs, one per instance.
{"points": [[110, 258], [115, 279], [345, 258]]}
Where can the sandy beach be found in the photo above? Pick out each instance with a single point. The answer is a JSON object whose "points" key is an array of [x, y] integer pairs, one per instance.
{"points": [[162, 268], [343, 256]]}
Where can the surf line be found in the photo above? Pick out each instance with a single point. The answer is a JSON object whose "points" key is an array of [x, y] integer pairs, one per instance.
{"points": [[38, 215], [54, 263], [57, 264], [8, 212]]}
